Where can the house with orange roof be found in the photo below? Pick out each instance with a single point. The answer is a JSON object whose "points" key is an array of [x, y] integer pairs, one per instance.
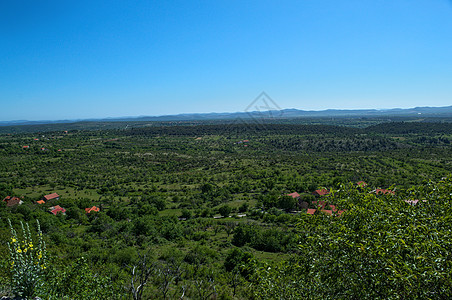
{"points": [[361, 184], [320, 203], [327, 211], [384, 192], [294, 195], [311, 211], [51, 197], [321, 192], [90, 209]]}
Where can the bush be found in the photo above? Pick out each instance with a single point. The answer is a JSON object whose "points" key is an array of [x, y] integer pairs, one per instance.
{"points": [[225, 210]]}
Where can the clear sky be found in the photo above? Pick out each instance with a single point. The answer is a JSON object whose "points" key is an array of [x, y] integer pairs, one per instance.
{"points": [[92, 59]]}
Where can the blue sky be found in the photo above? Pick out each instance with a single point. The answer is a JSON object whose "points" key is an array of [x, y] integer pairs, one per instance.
{"points": [[92, 59]]}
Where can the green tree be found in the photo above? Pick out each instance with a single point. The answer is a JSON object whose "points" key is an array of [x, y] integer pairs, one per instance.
{"points": [[287, 203], [225, 210]]}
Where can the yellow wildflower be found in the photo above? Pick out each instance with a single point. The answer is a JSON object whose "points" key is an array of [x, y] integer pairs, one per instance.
{"points": [[25, 250], [19, 250], [30, 245]]}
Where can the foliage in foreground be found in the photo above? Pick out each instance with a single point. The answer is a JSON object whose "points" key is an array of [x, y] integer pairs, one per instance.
{"points": [[27, 262], [380, 248], [29, 277]]}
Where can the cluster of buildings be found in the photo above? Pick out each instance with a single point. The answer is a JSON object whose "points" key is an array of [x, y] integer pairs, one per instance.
{"points": [[56, 209], [324, 207]]}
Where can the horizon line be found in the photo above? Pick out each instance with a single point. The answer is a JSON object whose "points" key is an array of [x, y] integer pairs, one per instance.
{"points": [[79, 119]]}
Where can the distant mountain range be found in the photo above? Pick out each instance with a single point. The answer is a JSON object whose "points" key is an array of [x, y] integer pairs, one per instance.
{"points": [[445, 111]]}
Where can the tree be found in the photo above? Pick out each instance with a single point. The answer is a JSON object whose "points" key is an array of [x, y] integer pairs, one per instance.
{"points": [[225, 210], [229, 227], [141, 273], [244, 234], [286, 202], [186, 214], [240, 261], [244, 207]]}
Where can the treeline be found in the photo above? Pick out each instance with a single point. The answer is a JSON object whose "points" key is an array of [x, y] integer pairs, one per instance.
{"points": [[238, 130], [421, 128]]}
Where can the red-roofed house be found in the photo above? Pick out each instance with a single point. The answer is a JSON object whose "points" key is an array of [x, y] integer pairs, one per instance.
{"points": [[384, 192], [333, 207], [90, 209], [26, 147], [311, 211], [40, 202], [51, 197], [293, 195], [327, 211], [361, 184], [321, 192], [57, 209], [11, 201], [320, 203]]}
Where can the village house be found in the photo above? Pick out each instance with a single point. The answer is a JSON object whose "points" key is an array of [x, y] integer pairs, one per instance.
{"points": [[90, 209], [12, 201], [311, 211], [320, 203], [294, 195], [327, 211], [57, 209], [321, 192], [384, 192], [361, 184], [53, 196]]}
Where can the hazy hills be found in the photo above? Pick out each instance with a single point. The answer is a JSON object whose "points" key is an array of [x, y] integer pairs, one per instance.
{"points": [[272, 114]]}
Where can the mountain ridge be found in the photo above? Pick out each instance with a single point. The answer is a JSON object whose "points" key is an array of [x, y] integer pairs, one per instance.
{"points": [[272, 114]]}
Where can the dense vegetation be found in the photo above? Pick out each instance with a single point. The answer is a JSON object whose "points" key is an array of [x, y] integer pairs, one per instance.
{"points": [[201, 210]]}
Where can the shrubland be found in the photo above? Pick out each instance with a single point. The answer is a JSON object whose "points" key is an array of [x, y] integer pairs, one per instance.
{"points": [[202, 211]]}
